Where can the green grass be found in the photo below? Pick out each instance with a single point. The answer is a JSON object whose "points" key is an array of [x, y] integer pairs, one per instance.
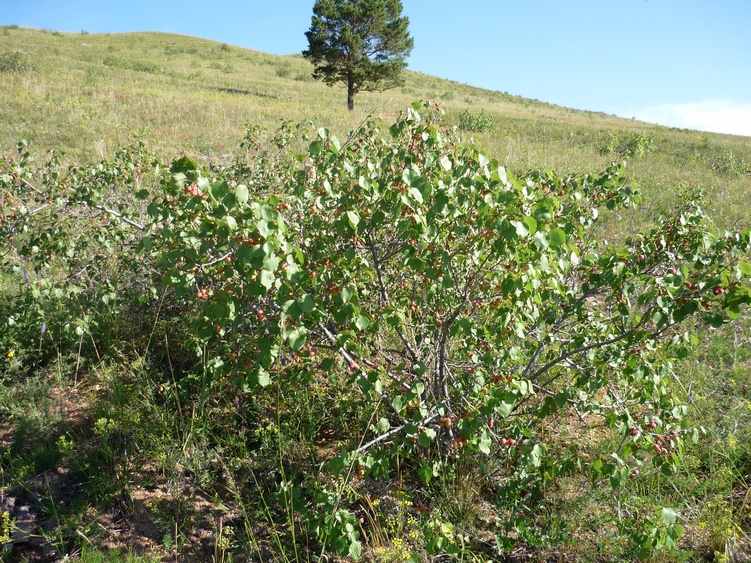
{"points": [[91, 94], [200, 464]]}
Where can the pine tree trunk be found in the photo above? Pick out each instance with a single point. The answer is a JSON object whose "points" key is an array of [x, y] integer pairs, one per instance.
{"points": [[350, 93]]}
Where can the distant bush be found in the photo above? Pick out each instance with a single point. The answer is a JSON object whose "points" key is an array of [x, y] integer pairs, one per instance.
{"points": [[480, 122], [125, 64], [92, 76], [729, 164], [304, 77], [283, 71], [634, 145], [13, 61], [226, 68]]}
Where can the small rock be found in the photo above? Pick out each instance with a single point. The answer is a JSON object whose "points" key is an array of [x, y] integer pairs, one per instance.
{"points": [[24, 525]]}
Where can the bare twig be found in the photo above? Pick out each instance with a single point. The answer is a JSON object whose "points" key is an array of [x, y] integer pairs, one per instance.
{"points": [[351, 359], [33, 187], [120, 216], [217, 260], [392, 432]]}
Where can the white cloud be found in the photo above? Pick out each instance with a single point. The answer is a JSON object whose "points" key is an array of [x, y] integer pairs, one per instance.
{"points": [[714, 116]]}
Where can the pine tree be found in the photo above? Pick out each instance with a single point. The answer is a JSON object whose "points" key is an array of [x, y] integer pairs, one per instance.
{"points": [[362, 43]]}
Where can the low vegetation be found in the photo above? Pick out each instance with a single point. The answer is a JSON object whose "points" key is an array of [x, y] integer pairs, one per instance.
{"points": [[228, 337]]}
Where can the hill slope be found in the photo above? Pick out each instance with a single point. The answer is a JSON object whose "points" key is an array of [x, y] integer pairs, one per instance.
{"points": [[91, 94]]}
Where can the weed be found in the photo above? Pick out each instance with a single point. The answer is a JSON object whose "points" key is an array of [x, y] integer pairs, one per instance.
{"points": [[6, 527], [14, 62], [283, 71], [634, 145], [480, 122], [729, 165], [93, 555], [127, 64]]}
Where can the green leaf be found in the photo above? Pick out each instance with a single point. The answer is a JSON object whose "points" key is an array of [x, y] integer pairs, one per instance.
{"points": [[241, 194], [327, 364], [263, 378], [427, 437], [535, 456], [745, 268], [411, 177], [383, 425], [219, 189], [541, 240], [346, 294], [398, 403], [271, 263], [364, 182], [297, 338], [714, 319], [353, 219], [306, 303], [267, 279], [733, 306], [355, 550], [416, 195], [183, 165], [335, 146], [506, 406], [362, 322], [530, 223], [557, 238], [263, 228], [521, 229], [337, 465], [484, 443], [668, 516]]}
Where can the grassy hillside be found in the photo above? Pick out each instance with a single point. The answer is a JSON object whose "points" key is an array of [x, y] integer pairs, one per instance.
{"points": [[91, 94], [116, 456]]}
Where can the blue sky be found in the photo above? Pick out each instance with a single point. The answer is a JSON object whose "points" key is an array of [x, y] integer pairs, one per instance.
{"points": [[682, 63]]}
